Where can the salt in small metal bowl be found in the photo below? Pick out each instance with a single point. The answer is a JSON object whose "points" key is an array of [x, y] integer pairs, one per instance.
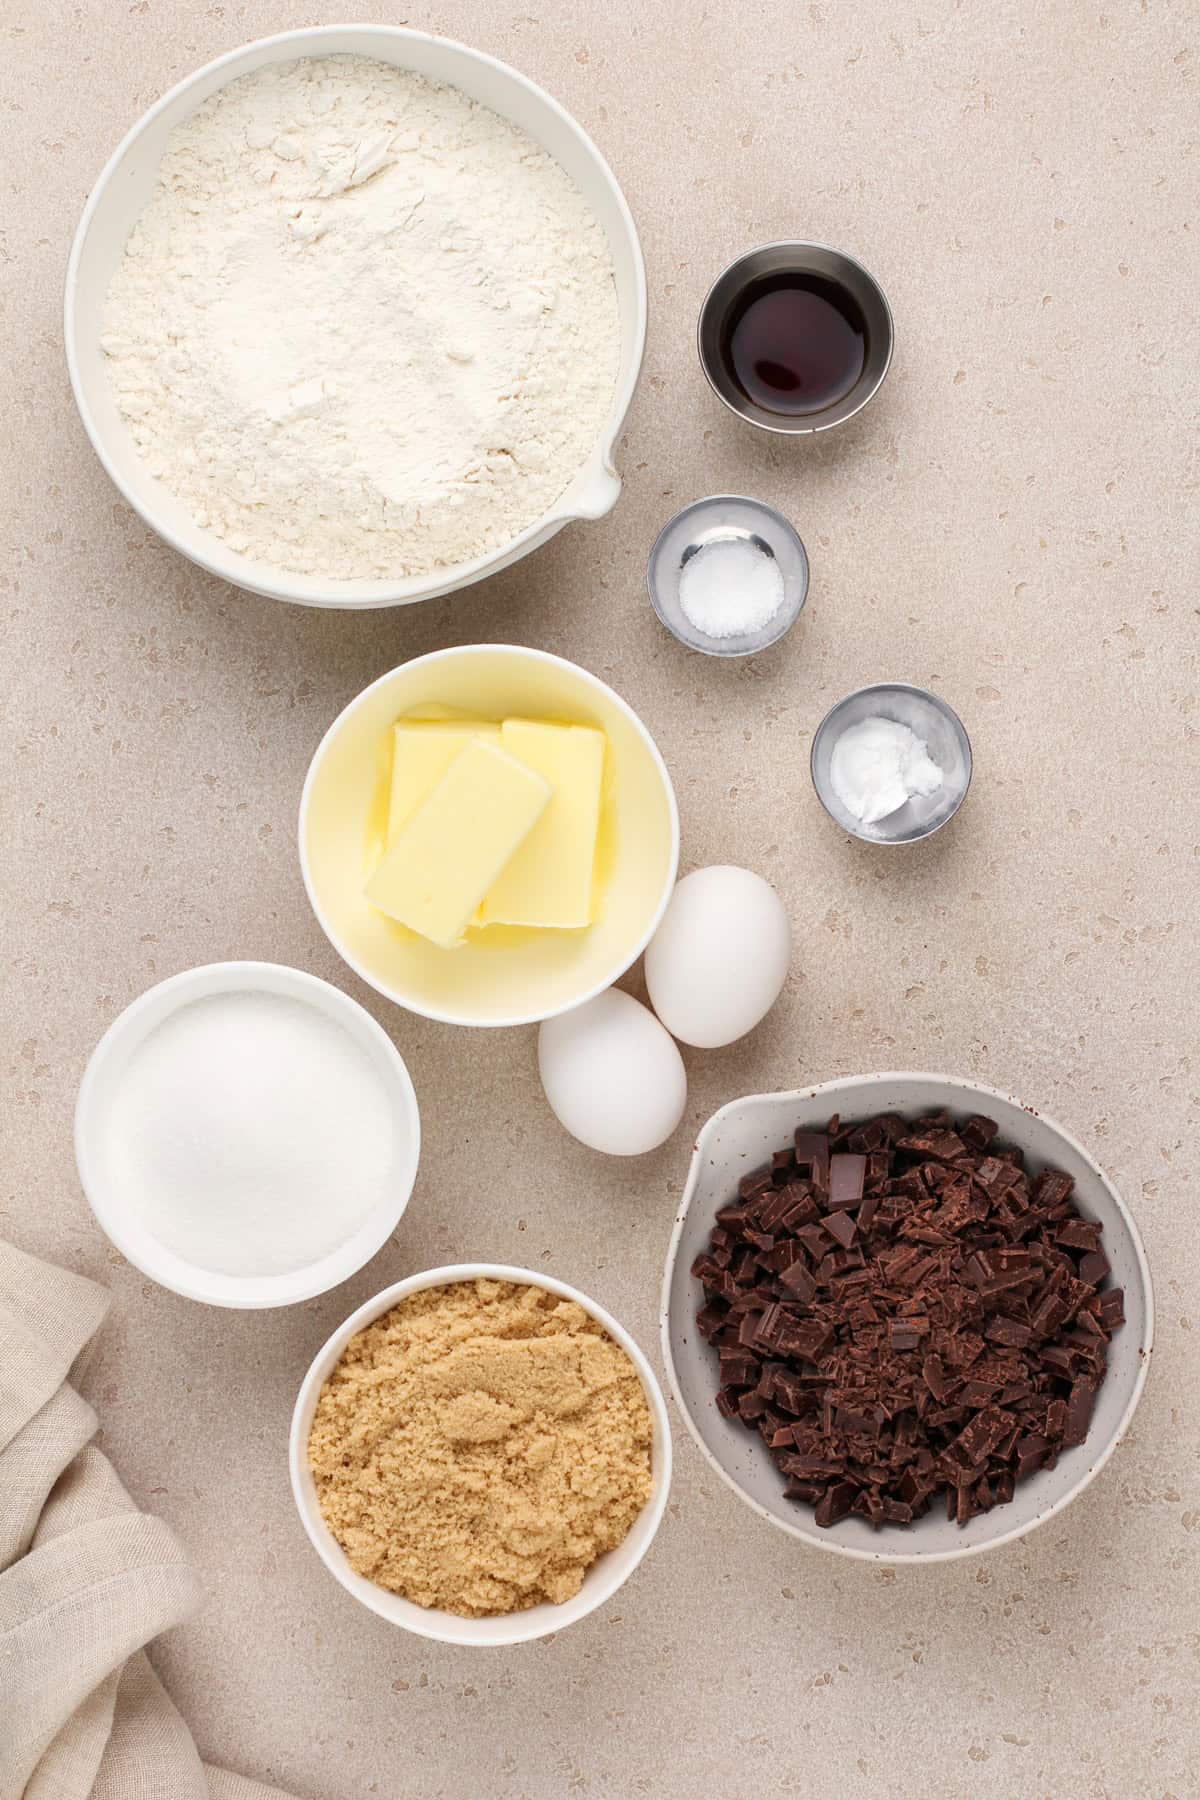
{"points": [[722, 517], [940, 728], [795, 259]]}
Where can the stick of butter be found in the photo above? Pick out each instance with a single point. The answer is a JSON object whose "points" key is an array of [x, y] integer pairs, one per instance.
{"points": [[422, 751], [549, 880], [458, 842]]}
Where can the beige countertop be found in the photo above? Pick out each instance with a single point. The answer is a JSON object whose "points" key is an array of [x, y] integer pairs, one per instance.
{"points": [[1013, 521]]}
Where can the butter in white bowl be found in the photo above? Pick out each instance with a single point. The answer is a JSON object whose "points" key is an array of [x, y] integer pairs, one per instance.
{"points": [[489, 824], [459, 842], [549, 881], [422, 751], [503, 975]]}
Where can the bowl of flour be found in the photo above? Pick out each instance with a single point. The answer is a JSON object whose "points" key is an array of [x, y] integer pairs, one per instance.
{"points": [[354, 316]]}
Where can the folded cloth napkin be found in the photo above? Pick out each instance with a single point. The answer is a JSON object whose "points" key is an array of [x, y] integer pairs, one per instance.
{"points": [[86, 1580]]}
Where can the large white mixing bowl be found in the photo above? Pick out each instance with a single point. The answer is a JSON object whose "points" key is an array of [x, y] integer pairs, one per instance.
{"points": [[125, 187]]}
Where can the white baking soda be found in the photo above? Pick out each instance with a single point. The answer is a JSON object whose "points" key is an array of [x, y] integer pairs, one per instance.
{"points": [[251, 1135], [878, 766]]}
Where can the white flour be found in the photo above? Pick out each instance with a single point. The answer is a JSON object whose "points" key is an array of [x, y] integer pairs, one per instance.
{"points": [[364, 327]]}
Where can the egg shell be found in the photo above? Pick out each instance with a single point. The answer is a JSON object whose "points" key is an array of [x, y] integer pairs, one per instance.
{"points": [[718, 961], [614, 1078]]}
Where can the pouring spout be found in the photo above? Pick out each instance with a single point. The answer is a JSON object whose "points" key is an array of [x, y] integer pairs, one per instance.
{"points": [[598, 494]]}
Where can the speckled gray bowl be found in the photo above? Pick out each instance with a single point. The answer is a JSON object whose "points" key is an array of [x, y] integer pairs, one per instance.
{"points": [[742, 1136]]}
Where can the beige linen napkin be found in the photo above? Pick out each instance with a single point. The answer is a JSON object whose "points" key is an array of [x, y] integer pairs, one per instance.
{"points": [[85, 1579]]}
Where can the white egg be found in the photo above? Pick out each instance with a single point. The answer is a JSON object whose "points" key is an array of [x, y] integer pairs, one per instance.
{"points": [[718, 961], [612, 1075]]}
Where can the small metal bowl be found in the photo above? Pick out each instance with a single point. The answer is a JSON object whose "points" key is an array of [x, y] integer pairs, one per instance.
{"points": [[934, 721], [795, 259], [726, 516]]}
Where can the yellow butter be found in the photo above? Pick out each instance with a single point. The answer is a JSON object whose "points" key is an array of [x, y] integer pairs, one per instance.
{"points": [[458, 842], [422, 751], [549, 880]]}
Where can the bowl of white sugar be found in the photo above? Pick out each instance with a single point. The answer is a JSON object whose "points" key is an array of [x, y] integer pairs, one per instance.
{"points": [[247, 1135], [354, 316]]}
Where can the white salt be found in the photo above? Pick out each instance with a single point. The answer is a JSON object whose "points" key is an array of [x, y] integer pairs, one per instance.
{"points": [[730, 588], [252, 1135]]}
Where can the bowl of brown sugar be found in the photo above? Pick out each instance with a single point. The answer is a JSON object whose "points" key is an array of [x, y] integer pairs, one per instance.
{"points": [[480, 1454]]}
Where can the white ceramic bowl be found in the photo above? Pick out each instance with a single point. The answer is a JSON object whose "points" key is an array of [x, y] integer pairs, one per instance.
{"points": [[102, 1079], [741, 1137], [501, 976], [125, 186], [602, 1579]]}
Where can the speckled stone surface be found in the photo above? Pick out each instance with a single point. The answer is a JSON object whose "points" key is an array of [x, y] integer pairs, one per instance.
{"points": [[1013, 522]]}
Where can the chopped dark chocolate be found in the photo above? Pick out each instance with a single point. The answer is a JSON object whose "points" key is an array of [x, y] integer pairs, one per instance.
{"points": [[904, 1313]]}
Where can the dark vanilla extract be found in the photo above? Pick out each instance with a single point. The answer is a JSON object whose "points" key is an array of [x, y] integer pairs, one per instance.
{"points": [[796, 343]]}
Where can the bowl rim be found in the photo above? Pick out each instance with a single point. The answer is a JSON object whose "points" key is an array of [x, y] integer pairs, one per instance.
{"points": [[978, 1090], [436, 1622], [209, 1287], [595, 497], [941, 705], [438, 1014], [796, 248]]}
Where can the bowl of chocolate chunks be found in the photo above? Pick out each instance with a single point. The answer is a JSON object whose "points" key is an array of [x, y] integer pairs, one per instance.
{"points": [[905, 1317]]}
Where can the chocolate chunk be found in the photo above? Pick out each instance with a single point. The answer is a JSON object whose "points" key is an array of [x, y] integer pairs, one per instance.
{"points": [[1079, 1234], [906, 1317], [1003, 1330], [738, 1368], [775, 1206], [807, 1339], [766, 1335], [841, 1227], [812, 1153], [994, 1174], [710, 1318], [1094, 1267], [815, 1239], [836, 1502], [803, 1210], [1052, 1187], [935, 1146], [731, 1217], [1050, 1312], [847, 1178], [1079, 1412], [1112, 1308], [1032, 1451], [978, 1132], [797, 1279]]}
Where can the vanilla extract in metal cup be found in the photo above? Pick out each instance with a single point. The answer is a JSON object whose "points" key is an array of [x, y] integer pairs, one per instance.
{"points": [[795, 337]]}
